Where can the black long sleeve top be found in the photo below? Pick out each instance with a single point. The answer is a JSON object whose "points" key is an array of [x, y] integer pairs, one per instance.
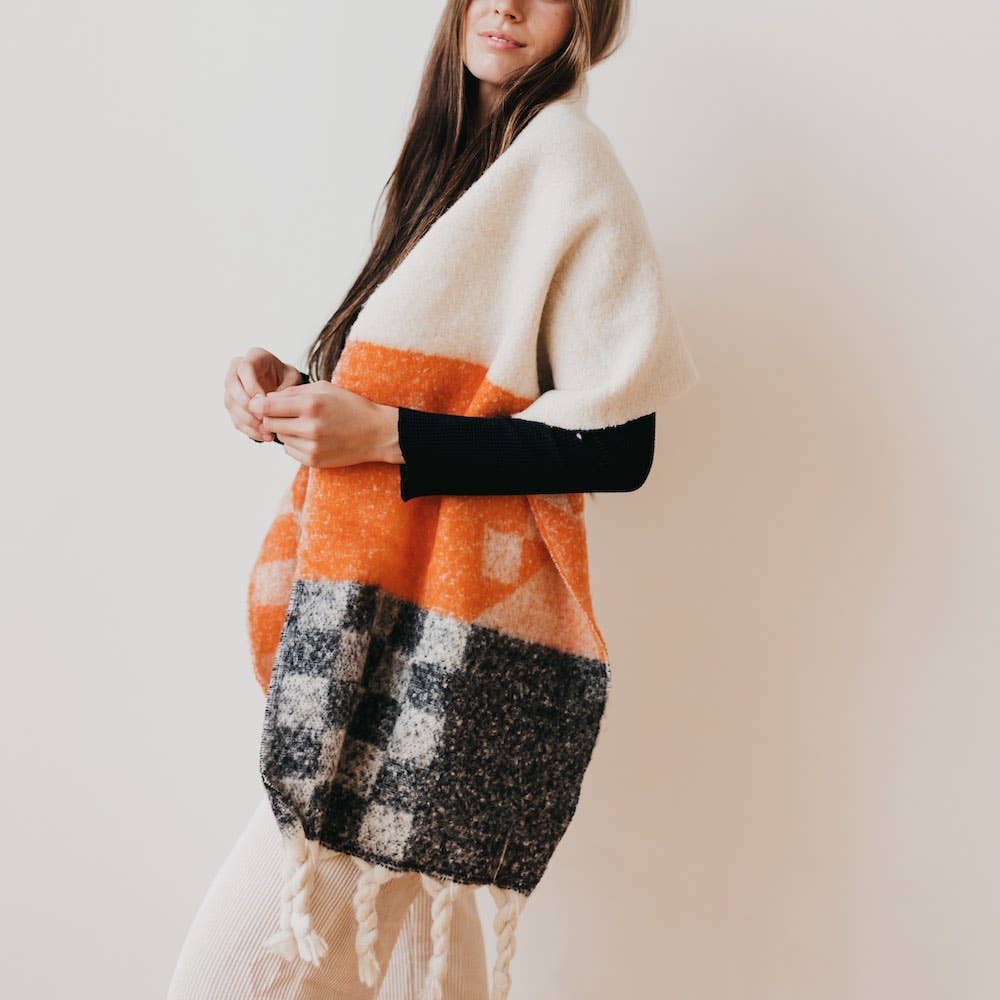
{"points": [[445, 453]]}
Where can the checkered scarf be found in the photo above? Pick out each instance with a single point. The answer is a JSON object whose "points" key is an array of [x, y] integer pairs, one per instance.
{"points": [[434, 676]]}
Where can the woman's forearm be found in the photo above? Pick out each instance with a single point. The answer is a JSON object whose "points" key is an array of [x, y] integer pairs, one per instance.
{"points": [[451, 454], [386, 435]]}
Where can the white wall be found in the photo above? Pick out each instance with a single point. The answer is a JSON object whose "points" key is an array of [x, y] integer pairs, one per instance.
{"points": [[795, 792]]}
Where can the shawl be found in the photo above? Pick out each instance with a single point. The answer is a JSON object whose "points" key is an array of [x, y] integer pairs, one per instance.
{"points": [[435, 677]]}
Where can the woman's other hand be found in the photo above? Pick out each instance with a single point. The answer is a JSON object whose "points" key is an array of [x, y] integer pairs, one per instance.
{"points": [[253, 374], [322, 425]]}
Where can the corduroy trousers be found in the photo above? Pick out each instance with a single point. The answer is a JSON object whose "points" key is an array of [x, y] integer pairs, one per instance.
{"points": [[222, 957]]}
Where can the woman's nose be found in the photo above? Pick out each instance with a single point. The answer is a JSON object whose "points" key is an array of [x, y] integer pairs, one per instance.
{"points": [[505, 9]]}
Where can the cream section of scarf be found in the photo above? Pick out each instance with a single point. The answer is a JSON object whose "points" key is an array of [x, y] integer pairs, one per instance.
{"points": [[544, 272]]}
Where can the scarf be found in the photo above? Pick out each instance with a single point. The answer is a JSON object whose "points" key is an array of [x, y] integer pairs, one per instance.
{"points": [[435, 677]]}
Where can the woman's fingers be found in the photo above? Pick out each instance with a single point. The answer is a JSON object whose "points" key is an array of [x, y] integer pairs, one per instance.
{"points": [[247, 375], [248, 380], [306, 428], [256, 435], [247, 423], [292, 401], [300, 449], [290, 412], [235, 399], [233, 387]]}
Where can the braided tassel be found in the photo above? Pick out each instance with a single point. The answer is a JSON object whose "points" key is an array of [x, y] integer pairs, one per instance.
{"points": [[443, 894], [371, 879], [296, 935], [509, 902]]}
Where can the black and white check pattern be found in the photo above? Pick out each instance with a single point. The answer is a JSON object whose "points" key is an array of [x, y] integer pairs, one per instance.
{"points": [[422, 742]]}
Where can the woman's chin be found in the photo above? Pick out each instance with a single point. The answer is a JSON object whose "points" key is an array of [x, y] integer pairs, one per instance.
{"points": [[493, 70]]}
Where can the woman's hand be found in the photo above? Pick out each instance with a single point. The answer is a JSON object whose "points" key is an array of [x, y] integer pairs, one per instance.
{"points": [[322, 425], [249, 375]]}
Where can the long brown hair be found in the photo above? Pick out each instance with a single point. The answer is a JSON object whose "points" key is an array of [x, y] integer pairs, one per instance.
{"points": [[442, 156]]}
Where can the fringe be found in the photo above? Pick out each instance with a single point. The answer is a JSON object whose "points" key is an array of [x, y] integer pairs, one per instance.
{"points": [[443, 893], [296, 935], [370, 881], [509, 903]]}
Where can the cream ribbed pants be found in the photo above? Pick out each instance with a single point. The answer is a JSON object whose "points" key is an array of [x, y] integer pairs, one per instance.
{"points": [[222, 957]]}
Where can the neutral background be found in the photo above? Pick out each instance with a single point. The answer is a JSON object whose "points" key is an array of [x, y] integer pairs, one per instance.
{"points": [[795, 796]]}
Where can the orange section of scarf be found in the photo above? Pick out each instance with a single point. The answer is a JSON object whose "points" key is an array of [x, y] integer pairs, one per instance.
{"points": [[516, 563]]}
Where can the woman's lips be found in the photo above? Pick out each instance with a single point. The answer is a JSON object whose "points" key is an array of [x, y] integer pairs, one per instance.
{"points": [[491, 42]]}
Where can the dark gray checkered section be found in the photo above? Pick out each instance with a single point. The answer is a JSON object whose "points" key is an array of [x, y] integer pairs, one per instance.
{"points": [[424, 743]]}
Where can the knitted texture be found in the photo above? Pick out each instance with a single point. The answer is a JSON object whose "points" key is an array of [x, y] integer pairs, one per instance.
{"points": [[434, 672]]}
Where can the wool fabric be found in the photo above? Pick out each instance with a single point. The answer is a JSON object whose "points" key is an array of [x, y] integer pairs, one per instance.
{"points": [[435, 677]]}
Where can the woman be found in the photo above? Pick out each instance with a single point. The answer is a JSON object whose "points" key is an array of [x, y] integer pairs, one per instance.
{"points": [[492, 68]]}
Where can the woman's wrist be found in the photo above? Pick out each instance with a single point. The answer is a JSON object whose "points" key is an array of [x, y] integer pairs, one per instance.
{"points": [[386, 434]]}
